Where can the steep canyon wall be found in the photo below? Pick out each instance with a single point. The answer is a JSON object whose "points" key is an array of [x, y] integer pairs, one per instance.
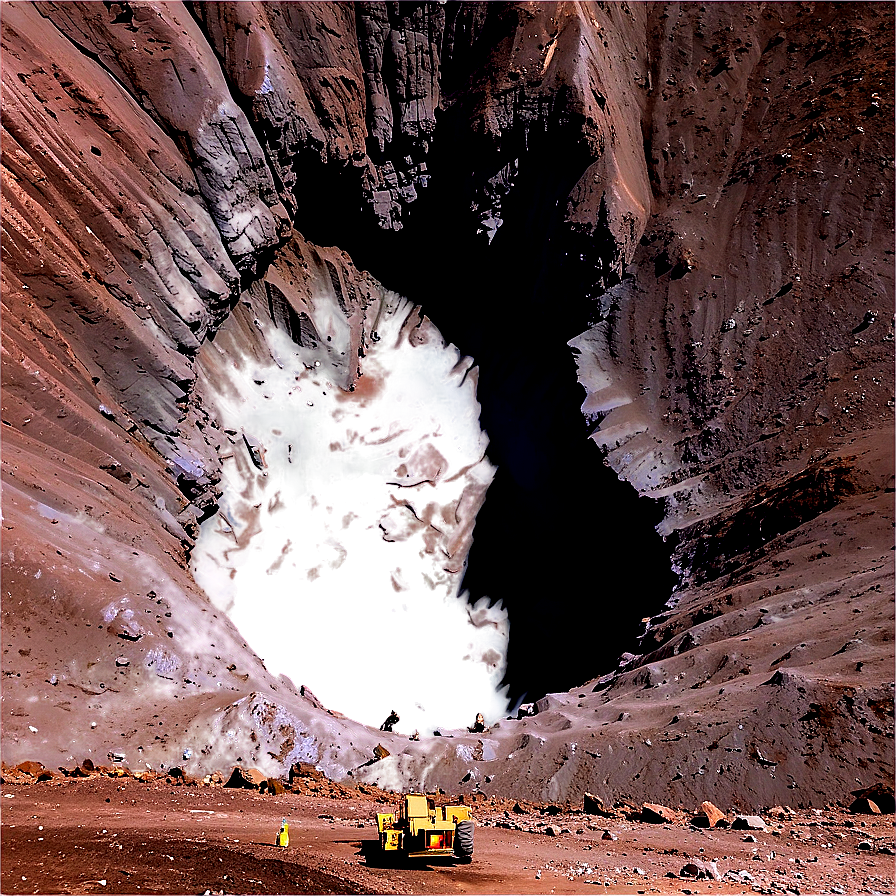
{"points": [[698, 199]]}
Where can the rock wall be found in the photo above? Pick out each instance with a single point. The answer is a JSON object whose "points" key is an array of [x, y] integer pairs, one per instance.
{"points": [[752, 330], [719, 181]]}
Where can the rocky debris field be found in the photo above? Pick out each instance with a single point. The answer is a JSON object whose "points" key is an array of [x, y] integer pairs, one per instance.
{"points": [[106, 830]]}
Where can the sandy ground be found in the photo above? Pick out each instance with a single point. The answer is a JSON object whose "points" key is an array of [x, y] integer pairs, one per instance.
{"points": [[108, 835]]}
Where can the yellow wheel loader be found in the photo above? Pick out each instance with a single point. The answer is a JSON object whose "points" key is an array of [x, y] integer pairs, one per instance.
{"points": [[418, 828]]}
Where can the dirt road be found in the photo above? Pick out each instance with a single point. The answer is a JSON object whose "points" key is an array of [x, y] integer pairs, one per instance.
{"points": [[106, 835]]}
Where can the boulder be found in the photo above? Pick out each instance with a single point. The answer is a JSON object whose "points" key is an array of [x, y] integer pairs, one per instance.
{"points": [[304, 770], [748, 823], [880, 794], [183, 780], [864, 806], [247, 778], [30, 768], [594, 805], [709, 816], [273, 786], [656, 814]]}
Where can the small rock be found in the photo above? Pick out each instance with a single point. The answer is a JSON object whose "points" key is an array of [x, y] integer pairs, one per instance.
{"points": [[656, 814], [700, 870], [781, 812], [749, 839], [748, 823], [608, 835], [551, 831], [122, 661], [537, 875], [865, 844]]}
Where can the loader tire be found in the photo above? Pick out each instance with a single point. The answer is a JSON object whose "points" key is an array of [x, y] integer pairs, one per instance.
{"points": [[463, 840]]}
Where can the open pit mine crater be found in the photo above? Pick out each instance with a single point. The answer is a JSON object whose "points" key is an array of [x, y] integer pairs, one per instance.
{"points": [[530, 359]]}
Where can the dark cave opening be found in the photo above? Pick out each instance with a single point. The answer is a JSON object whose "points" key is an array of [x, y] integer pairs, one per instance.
{"points": [[569, 548]]}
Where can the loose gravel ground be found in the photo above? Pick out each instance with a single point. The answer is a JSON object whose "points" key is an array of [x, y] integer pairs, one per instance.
{"points": [[108, 835]]}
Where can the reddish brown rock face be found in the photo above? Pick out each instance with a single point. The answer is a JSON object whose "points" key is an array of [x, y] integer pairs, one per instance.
{"points": [[698, 199]]}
